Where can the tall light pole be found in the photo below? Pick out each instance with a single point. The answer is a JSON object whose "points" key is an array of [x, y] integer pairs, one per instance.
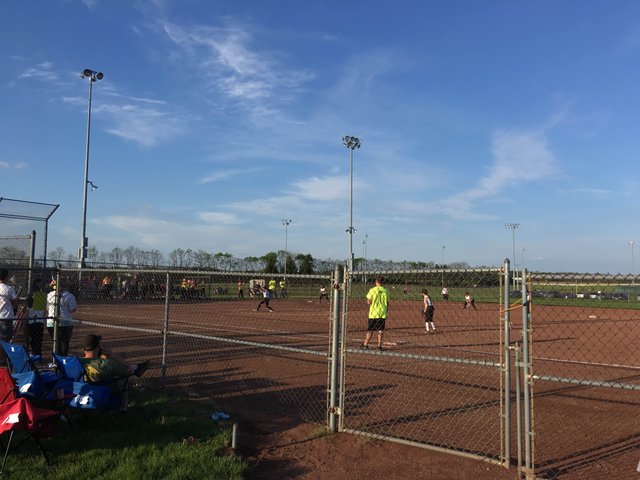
{"points": [[82, 254], [513, 227], [286, 224], [364, 256], [633, 260], [442, 264], [351, 143]]}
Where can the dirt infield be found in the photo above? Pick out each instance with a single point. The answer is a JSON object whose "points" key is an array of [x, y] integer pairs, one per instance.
{"points": [[220, 350]]}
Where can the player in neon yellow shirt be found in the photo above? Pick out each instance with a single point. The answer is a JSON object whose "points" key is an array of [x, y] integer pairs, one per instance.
{"points": [[378, 300]]}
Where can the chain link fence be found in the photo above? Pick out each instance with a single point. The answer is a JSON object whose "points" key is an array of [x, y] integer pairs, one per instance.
{"points": [[205, 338], [544, 378], [440, 390], [585, 375]]}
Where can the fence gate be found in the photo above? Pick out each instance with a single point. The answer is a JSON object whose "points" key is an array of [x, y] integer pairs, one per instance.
{"points": [[584, 376], [442, 391]]}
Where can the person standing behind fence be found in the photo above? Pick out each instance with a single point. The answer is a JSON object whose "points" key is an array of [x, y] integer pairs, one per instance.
{"points": [[8, 305], [445, 294], [37, 305], [427, 312], [266, 298], [240, 289], [378, 300], [68, 306], [468, 301], [323, 294]]}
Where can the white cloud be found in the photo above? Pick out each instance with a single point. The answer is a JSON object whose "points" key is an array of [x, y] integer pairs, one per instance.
{"points": [[591, 192], [227, 61], [15, 166], [220, 218], [518, 157], [145, 126], [42, 71], [323, 188], [91, 4], [221, 175]]}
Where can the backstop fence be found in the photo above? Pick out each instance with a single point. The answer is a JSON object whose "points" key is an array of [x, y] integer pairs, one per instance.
{"points": [[543, 379]]}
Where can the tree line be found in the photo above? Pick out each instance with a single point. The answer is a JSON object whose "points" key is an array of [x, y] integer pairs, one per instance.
{"points": [[271, 262]]}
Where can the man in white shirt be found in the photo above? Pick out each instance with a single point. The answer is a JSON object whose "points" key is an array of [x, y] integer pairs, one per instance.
{"points": [[8, 305], [68, 306]]}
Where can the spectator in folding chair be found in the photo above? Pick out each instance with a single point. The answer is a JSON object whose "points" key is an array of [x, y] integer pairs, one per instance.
{"points": [[102, 366]]}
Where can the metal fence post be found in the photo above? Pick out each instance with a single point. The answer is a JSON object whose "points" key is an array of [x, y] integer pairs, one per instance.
{"points": [[518, 365], [341, 306], [507, 365], [334, 411], [56, 318], [32, 254], [165, 327], [527, 382]]}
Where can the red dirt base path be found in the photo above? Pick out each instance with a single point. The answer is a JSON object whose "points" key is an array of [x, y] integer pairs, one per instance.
{"points": [[281, 447]]}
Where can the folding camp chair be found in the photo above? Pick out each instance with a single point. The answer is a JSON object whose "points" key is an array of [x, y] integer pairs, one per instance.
{"points": [[85, 394], [32, 383], [20, 414], [19, 359]]}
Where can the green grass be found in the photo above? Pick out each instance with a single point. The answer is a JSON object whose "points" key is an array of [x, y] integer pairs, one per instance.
{"points": [[149, 444]]}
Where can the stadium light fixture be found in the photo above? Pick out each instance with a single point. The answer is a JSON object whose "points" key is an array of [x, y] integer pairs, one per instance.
{"points": [[513, 227], [94, 187], [82, 254], [352, 143], [286, 224]]}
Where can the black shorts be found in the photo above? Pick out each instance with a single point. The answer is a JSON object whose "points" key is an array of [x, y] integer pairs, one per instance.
{"points": [[376, 324], [428, 315]]}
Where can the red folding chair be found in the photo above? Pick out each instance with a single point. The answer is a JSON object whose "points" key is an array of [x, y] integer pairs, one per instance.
{"points": [[21, 415]]}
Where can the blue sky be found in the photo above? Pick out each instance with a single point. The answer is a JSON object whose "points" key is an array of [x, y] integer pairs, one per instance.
{"points": [[217, 119]]}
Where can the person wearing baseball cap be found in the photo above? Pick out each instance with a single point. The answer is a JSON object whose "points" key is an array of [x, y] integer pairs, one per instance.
{"points": [[61, 305], [102, 365]]}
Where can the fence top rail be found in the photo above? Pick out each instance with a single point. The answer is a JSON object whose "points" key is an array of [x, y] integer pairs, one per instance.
{"points": [[582, 277], [165, 270], [427, 270]]}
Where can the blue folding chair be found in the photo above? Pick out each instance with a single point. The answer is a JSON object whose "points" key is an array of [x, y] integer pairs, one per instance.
{"points": [[82, 393], [31, 383]]}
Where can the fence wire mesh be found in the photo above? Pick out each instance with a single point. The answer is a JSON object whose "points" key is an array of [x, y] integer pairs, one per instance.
{"points": [[205, 338], [438, 389], [585, 366], [446, 390]]}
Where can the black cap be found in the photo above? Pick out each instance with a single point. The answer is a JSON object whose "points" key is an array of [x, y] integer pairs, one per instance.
{"points": [[91, 342]]}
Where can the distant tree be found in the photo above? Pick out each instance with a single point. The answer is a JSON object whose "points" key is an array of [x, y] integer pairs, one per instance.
{"points": [[155, 258], [131, 255], [253, 264], [57, 255], [202, 259], [181, 258], [270, 262], [115, 256], [223, 261], [305, 264], [14, 256], [92, 253]]}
